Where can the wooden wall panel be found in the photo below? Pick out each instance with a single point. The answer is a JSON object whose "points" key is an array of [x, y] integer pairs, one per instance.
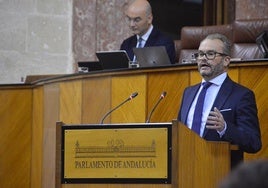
{"points": [[37, 136], [194, 77], [257, 79], [171, 82], [51, 116], [71, 102], [15, 137], [234, 74], [122, 88], [96, 100]]}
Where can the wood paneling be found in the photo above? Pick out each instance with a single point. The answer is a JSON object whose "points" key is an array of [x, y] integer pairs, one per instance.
{"points": [[171, 82], [70, 102], [51, 116], [134, 110], [256, 79], [37, 137], [15, 137], [96, 99]]}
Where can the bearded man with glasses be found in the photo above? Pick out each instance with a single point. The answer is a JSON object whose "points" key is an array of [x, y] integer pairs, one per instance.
{"points": [[228, 111]]}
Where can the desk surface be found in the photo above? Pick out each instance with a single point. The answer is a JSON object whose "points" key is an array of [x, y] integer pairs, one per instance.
{"points": [[43, 79]]}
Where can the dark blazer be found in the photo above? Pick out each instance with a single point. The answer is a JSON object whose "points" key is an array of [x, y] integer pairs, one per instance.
{"points": [[242, 120], [156, 38]]}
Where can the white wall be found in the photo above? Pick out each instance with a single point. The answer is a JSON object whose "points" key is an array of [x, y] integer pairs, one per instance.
{"points": [[35, 38]]}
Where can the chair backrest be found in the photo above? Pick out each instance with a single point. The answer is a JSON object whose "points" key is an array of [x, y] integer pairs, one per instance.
{"points": [[192, 36], [242, 33], [245, 33]]}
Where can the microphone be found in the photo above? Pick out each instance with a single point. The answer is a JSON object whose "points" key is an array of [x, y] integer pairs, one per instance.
{"points": [[161, 97], [133, 95]]}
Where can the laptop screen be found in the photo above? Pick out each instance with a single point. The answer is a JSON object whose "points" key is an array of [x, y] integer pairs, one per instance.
{"points": [[152, 56], [113, 59]]}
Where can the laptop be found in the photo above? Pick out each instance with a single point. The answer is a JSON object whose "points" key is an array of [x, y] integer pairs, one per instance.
{"points": [[152, 56], [113, 59], [87, 66]]}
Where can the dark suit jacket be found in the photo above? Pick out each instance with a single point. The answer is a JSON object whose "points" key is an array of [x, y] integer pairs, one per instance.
{"points": [[156, 38], [242, 121]]}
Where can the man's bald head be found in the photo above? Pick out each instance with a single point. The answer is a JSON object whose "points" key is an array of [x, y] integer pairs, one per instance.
{"points": [[139, 15], [140, 6]]}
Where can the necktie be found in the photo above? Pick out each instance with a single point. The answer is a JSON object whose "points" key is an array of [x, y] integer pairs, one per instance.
{"points": [[140, 42], [138, 46], [199, 108]]}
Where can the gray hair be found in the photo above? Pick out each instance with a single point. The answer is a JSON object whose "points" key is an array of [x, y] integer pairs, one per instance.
{"points": [[148, 9], [226, 42]]}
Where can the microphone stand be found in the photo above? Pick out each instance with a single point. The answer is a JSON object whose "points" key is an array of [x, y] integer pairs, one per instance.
{"points": [[109, 112], [161, 97]]}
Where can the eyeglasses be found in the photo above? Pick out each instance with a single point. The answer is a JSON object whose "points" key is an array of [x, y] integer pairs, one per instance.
{"points": [[210, 55], [135, 20]]}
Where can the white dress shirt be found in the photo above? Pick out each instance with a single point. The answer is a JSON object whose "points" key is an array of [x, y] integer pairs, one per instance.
{"points": [[145, 36], [211, 94], [144, 39]]}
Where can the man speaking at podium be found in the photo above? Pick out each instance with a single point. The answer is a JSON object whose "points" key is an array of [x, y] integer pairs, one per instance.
{"points": [[139, 17], [219, 109]]}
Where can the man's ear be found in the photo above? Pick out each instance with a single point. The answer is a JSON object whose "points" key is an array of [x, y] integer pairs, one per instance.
{"points": [[150, 19], [226, 61]]}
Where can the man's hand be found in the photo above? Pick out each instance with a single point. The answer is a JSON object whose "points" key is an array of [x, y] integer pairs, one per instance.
{"points": [[215, 120]]}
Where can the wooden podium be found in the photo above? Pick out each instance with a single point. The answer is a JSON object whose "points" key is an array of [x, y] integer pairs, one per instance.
{"points": [[189, 160]]}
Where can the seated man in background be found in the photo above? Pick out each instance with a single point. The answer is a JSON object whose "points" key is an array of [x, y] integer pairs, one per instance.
{"points": [[227, 111], [140, 17]]}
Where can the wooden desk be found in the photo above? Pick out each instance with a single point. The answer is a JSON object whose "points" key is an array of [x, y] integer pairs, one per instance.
{"points": [[29, 112]]}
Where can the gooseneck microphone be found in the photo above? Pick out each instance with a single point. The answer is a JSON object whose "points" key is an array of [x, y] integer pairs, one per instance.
{"points": [[161, 97], [133, 95]]}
